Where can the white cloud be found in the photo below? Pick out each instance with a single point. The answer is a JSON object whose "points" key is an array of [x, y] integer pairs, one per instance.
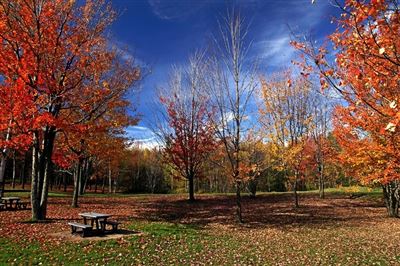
{"points": [[276, 52], [143, 137], [174, 9], [300, 17]]}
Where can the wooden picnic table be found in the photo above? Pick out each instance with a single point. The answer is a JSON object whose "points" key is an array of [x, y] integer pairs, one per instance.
{"points": [[95, 217], [8, 201]]}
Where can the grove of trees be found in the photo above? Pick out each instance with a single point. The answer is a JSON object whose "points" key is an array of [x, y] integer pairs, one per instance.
{"points": [[226, 127]]}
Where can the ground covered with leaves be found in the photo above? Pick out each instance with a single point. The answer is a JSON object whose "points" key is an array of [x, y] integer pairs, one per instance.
{"points": [[341, 229]]}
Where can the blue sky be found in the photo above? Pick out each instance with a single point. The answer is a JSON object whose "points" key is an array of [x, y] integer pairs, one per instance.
{"points": [[162, 33]]}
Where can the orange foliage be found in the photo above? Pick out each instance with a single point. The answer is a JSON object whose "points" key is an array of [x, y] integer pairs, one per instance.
{"points": [[366, 74]]}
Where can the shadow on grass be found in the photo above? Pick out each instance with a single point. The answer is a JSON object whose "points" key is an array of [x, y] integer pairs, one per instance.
{"points": [[264, 210]]}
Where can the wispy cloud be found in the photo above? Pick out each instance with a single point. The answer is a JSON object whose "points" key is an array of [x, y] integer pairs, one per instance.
{"points": [[298, 16], [175, 9], [140, 133], [143, 137]]}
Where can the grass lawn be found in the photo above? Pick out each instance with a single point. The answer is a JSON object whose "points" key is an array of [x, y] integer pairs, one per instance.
{"points": [[336, 230]]}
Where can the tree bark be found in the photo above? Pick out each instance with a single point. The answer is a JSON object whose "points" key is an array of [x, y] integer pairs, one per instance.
{"points": [[44, 172], [109, 179], [3, 162], [296, 197], [65, 182], [77, 181], [252, 187], [22, 175], [391, 195], [103, 186], [191, 188], [238, 202], [14, 171], [321, 181], [35, 201]]}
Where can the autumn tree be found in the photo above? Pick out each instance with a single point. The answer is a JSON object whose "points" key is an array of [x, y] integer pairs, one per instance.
{"points": [[59, 54], [190, 136], [321, 127], [254, 160], [365, 71], [286, 117], [232, 81]]}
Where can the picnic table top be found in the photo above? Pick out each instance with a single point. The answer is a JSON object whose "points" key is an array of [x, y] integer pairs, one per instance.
{"points": [[94, 215], [10, 198]]}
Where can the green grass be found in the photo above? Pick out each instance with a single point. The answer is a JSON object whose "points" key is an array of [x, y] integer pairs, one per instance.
{"points": [[159, 243]]}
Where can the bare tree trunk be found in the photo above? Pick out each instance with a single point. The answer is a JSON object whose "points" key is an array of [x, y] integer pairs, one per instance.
{"points": [[191, 188], [391, 193], [103, 187], [14, 170], [296, 197], [65, 182], [45, 191], [115, 185], [239, 202], [77, 182], [109, 178], [3, 162], [321, 182], [2, 172], [95, 184], [45, 171], [35, 201], [22, 174]]}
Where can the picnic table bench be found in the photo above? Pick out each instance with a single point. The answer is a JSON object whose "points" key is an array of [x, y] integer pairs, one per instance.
{"points": [[85, 228], [95, 218], [22, 205], [8, 202], [114, 225], [98, 223]]}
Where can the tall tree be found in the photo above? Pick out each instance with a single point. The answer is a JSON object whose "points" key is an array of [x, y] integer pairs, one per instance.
{"points": [[232, 81], [366, 73], [59, 53], [286, 115], [189, 117]]}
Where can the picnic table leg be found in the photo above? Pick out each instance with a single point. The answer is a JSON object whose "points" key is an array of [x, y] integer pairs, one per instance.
{"points": [[97, 224], [103, 225], [84, 220]]}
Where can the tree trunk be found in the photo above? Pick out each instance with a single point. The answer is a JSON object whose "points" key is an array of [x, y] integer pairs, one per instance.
{"points": [[77, 181], [14, 171], [95, 184], [65, 182], [238, 202], [392, 198], [45, 190], [109, 179], [22, 174], [296, 197], [103, 186], [84, 177], [191, 188], [3, 162], [321, 181], [252, 187], [35, 201], [2, 172]]}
